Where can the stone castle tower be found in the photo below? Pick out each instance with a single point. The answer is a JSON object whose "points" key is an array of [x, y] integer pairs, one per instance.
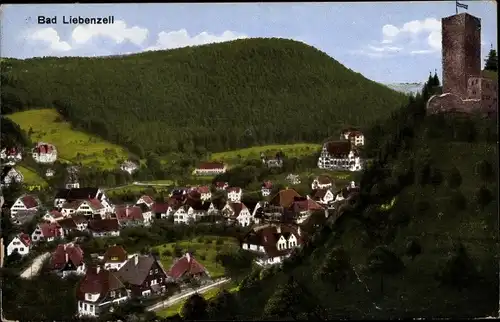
{"points": [[461, 43], [465, 89]]}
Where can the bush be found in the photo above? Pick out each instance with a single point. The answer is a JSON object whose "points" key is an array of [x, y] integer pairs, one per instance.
{"points": [[454, 178], [219, 241], [483, 196], [458, 201], [208, 241], [203, 257]]}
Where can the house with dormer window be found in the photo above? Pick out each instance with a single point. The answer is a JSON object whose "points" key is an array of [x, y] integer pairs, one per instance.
{"points": [[272, 243]]}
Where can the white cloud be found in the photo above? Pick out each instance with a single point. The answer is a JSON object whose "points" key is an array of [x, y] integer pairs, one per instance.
{"points": [[413, 37], [50, 38], [181, 38], [48, 42], [118, 32]]}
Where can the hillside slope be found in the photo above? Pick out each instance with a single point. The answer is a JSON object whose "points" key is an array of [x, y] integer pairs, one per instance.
{"points": [[221, 96], [421, 240]]}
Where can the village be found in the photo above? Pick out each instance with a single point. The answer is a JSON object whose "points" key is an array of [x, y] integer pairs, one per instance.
{"points": [[274, 226]]}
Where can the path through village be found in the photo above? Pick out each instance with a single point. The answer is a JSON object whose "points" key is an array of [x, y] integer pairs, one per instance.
{"points": [[187, 293]]}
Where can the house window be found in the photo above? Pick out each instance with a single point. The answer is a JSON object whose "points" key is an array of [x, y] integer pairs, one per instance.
{"points": [[21, 249], [156, 270]]}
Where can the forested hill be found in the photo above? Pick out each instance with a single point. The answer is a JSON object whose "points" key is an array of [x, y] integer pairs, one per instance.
{"points": [[221, 96]]}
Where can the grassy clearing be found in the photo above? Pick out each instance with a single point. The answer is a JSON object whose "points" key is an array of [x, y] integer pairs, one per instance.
{"points": [[204, 249], [31, 177], [73, 146], [290, 150], [174, 309]]}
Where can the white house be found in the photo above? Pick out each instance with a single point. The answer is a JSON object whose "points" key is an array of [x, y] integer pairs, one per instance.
{"points": [[339, 155], [354, 136], [234, 194], [11, 176], [323, 196], [322, 182], [68, 195], [219, 185], [98, 291], [129, 166], [266, 188], [68, 259], [86, 207], [210, 169], [44, 153], [47, 232], [114, 258], [147, 200], [104, 227], [293, 178], [273, 243], [205, 194], [303, 208], [21, 244], [53, 216], [191, 211], [10, 156], [237, 212], [24, 203]]}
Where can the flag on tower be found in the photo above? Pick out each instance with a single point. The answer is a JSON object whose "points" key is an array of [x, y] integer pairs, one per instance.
{"points": [[461, 5]]}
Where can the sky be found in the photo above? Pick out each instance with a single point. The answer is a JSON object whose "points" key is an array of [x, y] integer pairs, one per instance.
{"points": [[389, 42]]}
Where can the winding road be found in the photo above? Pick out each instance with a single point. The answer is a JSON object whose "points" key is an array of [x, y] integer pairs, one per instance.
{"points": [[176, 299], [35, 266]]}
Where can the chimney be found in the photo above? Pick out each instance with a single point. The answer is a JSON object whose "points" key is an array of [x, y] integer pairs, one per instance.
{"points": [[136, 260], [278, 229], [188, 257]]}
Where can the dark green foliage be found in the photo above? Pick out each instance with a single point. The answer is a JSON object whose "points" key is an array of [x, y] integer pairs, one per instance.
{"points": [[385, 261], [491, 61], [436, 177], [413, 248], [287, 303], [454, 178], [12, 135], [195, 308], [336, 268], [485, 170], [483, 196], [458, 201], [458, 270], [184, 99], [223, 307]]}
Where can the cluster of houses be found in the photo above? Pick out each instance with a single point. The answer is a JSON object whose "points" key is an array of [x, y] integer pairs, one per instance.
{"points": [[343, 154], [44, 153]]}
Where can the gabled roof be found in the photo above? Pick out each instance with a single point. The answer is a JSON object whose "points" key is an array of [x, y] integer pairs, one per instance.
{"points": [[73, 252], [147, 199], [98, 283], [187, 264], [267, 184], [237, 207], [77, 193], [25, 239], [67, 223], [306, 205], [234, 189], [203, 189], [115, 254], [125, 213], [136, 269], [160, 207], [324, 179], [50, 229], [284, 198], [220, 184], [338, 147], [319, 194], [219, 203], [29, 201], [211, 165], [103, 225], [268, 237]]}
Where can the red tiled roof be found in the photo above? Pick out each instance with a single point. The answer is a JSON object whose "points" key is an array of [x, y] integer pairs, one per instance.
{"points": [[211, 165], [160, 207], [306, 205], [29, 202], [43, 148], [234, 189], [267, 184], [338, 147], [147, 199], [319, 194], [237, 207], [128, 213], [95, 204], [194, 194], [220, 184], [25, 239], [203, 189], [67, 223], [98, 283], [56, 214], [268, 238], [73, 253], [101, 225], [50, 229], [186, 265], [284, 198], [73, 204], [323, 179], [115, 254]]}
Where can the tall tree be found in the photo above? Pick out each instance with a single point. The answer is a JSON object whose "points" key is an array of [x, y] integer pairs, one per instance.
{"points": [[195, 308], [492, 61]]}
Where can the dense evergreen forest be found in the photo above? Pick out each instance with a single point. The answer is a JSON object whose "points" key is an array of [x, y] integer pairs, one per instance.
{"points": [[214, 97], [420, 241]]}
